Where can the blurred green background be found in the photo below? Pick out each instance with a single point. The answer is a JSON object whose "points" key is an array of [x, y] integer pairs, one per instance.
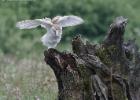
{"points": [[98, 14], [19, 49]]}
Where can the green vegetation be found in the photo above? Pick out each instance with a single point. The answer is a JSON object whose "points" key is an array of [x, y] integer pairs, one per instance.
{"points": [[97, 14], [25, 79], [21, 51]]}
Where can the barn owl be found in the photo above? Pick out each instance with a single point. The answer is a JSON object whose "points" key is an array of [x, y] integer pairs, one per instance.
{"points": [[53, 26]]}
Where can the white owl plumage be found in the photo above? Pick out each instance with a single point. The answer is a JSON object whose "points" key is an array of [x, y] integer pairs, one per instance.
{"points": [[53, 27]]}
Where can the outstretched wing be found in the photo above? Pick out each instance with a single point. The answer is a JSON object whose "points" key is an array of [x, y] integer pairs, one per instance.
{"points": [[69, 21], [28, 24]]}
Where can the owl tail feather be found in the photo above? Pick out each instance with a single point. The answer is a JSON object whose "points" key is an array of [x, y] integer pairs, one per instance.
{"points": [[45, 40]]}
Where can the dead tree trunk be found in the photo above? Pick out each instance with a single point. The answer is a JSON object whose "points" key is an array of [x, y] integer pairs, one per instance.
{"points": [[106, 71]]}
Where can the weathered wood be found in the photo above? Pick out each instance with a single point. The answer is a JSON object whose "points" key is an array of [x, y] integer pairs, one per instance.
{"points": [[107, 71]]}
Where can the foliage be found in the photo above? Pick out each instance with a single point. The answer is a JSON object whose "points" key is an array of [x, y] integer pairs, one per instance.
{"points": [[97, 14], [25, 79]]}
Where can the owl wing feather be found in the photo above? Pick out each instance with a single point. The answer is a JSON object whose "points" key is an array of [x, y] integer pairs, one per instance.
{"points": [[28, 24], [71, 20]]}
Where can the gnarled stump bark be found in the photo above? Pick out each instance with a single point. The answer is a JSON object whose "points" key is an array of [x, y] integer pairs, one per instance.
{"points": [[106, 71]]}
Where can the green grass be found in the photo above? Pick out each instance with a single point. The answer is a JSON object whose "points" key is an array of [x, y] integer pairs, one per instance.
{"points": [[26, 78]]}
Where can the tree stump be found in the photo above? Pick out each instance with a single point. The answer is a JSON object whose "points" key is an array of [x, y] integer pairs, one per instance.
{"points": [[106, 71]]}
